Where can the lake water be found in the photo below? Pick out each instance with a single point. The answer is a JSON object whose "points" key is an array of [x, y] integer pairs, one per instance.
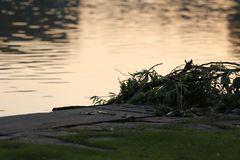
{"points": [[59, 52]]}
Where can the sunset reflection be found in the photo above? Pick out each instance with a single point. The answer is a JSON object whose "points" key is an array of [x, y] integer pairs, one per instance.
{"points": [[57, 53]]}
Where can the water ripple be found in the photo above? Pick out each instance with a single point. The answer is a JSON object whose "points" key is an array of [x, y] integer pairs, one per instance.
{"points": [[50, 48]]}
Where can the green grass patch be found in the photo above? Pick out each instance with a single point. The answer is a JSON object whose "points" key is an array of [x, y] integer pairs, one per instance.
{"points": [[16, 151], [174, 143]]}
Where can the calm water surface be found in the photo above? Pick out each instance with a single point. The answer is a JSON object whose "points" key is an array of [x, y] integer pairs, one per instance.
{"points": [[59, 52]]}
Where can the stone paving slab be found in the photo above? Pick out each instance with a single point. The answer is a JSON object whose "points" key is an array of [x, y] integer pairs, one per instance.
{"points": [[42, 128], [70, 118]]}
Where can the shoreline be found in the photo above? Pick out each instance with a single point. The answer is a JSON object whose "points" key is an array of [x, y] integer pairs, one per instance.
{"points": [[40, 127], [70, 117]]}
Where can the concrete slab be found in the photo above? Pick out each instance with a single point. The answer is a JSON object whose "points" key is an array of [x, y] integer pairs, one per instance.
{"points": [[70, 118]]}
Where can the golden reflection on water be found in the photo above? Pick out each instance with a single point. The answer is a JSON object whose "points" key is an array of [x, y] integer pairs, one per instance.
{"points": [[65, 58]]}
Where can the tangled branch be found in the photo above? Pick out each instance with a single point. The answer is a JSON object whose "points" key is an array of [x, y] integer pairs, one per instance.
{"points": [[214, 85]]}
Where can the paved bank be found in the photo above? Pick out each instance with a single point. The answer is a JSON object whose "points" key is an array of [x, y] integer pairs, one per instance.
{"points": [[73, 117], [43, 128]]}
